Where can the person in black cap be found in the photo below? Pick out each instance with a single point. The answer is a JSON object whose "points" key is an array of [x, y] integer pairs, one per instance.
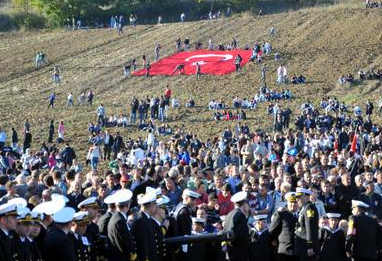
{"points": [[8, 221], [306, 233], [236, 221], [122, 246], [332, 240], [283, 226], [364, 234]]}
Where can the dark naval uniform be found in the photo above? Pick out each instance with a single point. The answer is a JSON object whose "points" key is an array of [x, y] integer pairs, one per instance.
{"points": [[260, 247], [332, 244], [34, 250], [363, 237], [57, 246], [143, 232], [159, 233], [306, 233], [170, 250], [200, 251], [182, 215], [121, 242], [5, 246], [81, 247], [102, 223], [282, 228], [239, 247], [21, 250]]}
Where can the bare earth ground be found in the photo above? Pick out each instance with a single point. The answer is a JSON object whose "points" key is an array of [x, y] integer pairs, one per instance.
{"points": [[320, 43]]}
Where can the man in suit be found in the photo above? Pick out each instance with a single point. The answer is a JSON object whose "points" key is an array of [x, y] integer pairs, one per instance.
{"points": [[364, 234], [306, 233], [143, 228], [57, 245], [372, 199], [103, 223], [283, 226], [236, 221], [260, 247], [121, 242], [21, 248], [8, 222]]}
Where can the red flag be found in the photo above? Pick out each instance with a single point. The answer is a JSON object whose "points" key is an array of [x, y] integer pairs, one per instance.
{"points": [[353, 146], [211, 62]]}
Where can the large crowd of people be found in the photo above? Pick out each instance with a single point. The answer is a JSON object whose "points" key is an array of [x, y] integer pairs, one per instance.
{"points": [[308, 192]]}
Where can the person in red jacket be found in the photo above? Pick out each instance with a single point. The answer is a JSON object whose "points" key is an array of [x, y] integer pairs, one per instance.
{"points": [[167, 92], [224, 200]]}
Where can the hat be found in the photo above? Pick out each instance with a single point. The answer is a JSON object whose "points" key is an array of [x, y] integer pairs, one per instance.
{"points": [[260, 217], [8, 209], [89, 203], [303, 192], [290, 197], [357, 203], [24, 215], [162, 201], [81, 218], [199, 220], [239, 196], [19, 202], [333, 215], [37, 217], [157, 191], [59, 196], [367, 183], [50, 207], [110, 199], [64, 215], [122, 196], [191, 193], [147, 198]]}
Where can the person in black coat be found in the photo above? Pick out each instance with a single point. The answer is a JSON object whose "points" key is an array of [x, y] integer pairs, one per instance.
{"points": [[199, 250], [27, 140], [372, 199], [364, 234], [51, 132], [332, 240], [8, 221], [68, 154], [152, 182], [306, 233], [21, 248], [34, 232], [122, 246], [344, 193], [236, 221], [57, 245], [77, 235], [282, 228], [260, 246], [144, 230]]}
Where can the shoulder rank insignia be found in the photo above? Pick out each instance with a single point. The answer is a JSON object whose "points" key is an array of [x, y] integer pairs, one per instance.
{"points": [[310, 213]]}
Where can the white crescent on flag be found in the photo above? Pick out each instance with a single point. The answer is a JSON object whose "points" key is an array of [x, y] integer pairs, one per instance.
{"points": [[225, 56]]}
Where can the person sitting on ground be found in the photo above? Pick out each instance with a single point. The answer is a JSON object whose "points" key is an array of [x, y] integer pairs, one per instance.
{"points": [[190, 103], [349, 78], [126, 69], [342, 80], [245, 104], [237, 102], [361, 75], [301, 79], [294, 79], [212, 105]]}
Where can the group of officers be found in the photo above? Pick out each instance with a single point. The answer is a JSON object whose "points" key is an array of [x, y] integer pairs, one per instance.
{"points": [[51, 231]]}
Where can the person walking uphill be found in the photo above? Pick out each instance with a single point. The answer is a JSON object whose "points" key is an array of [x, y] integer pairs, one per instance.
{"points": [[237, 61]]}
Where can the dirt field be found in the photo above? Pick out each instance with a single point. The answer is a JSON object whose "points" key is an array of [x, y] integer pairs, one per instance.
{"points": [[320, 43]]}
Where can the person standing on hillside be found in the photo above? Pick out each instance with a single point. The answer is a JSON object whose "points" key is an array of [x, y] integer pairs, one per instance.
{"points": [[198, 70], [52, 99], [51, 132], [178, 44], [70, 100], [182, 17], [56, 75], [263, 71], [90, 98], [237, 61], [157, 49], [15, 138]]}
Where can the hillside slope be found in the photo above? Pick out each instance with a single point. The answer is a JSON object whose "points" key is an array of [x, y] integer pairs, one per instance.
{"points": [[320, 43]]}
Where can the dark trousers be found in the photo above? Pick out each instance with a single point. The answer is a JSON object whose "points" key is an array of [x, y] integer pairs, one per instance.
{"points": [[283, 257], [106, 152]]}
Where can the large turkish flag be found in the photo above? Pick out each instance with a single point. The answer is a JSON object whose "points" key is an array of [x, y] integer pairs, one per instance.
{"points": [[211, 62]]}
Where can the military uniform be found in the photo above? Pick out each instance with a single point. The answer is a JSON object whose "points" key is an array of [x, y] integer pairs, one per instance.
{"points": [[5, 246], [57, 246], [306, 234], [21, 250], [200, 251], [183, 218], [260, 247], [282, 227], [121, 243], [34, 250], [239, 246], [143, 232], [160, 246], [363, 237], [81, 247], [102, 226], [332, 244], [94, 240]]}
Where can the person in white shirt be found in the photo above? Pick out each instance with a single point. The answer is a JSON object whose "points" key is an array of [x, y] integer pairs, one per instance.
{"points": [[70, 100], [3, 138], [94, 155]]}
